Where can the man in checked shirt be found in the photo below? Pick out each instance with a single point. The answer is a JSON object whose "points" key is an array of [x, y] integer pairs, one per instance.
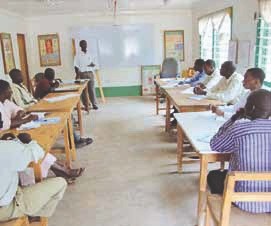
{"points": [[247, 135]]}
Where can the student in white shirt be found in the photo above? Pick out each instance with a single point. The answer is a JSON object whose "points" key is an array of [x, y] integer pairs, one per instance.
{"points": [[212, 78], [229, 88], [253, 80], [84, 65], [38, 200]]}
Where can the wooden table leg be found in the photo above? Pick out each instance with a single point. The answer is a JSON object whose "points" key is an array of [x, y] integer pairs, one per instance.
{"points": [[157, 99], [37, 171], [167, 114], [180, 138], [67, 145], [71, 139], [202, 188], [86, 96], [79, 114]]}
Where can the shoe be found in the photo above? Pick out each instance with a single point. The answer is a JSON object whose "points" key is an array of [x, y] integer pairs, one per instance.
{"points": [[83, 142], [95, 107]]}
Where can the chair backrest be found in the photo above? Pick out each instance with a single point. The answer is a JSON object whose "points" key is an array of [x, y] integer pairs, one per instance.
{"points": [[169, 68], [230, 195], [22, 221]]}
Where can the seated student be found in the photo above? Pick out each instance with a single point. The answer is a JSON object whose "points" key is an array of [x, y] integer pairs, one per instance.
{"points": [[212, 75], [253, 80], [249, 142], [21, 96], [47, 84], [199, 76], [38, 200], [13, 116], [229, 88]]}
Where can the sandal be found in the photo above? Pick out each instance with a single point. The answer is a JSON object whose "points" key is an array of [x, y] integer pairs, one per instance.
{"points": [[73, 173]]}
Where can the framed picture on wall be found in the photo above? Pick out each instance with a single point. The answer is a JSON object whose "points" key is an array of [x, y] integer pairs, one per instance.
{"points": [[174, 44], [7, 52], [147, 75], [49, 50]]}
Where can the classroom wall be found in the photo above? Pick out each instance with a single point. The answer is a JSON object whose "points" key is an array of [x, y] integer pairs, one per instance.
{"points": [[243, 26], [13, 24], [116, 77]]}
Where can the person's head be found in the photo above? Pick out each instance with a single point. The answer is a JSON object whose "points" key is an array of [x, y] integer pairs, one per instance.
{"points": [[83, 45], [253, 79], [5, 91], [258, 105], [209, 67], [49, 74], [16, 76], [227, 69], [199, 65]]}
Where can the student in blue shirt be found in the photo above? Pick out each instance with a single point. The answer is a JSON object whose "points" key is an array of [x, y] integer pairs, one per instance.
{"points": [[199, 76]]}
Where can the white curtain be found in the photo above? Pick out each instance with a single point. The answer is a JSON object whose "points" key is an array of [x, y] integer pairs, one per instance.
{"points": [[265, 10], [203, 23]]}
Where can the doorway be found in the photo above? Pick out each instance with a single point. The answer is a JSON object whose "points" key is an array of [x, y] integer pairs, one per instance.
{"points": [[23, 60]]}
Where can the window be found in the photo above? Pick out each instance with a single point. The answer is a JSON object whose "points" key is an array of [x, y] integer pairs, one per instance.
{"points": [[263, 48], [215, 34]]}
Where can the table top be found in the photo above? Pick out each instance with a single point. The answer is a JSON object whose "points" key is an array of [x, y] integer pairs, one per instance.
{"points": [[199, 128], [45, 135], [180, 98]]}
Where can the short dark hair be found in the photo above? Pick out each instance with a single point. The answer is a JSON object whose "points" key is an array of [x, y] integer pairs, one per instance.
{"points": [[259, 104], [81, 42], [13, 72], [210, 62], [257, 73], [199, 62], [49, 73], [4, 85]]}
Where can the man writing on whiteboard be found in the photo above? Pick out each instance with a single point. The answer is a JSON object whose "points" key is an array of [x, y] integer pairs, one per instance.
{"points": [[84, 65]]}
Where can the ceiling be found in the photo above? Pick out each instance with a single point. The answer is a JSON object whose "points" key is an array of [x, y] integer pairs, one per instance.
{"points": [[48, 7]]}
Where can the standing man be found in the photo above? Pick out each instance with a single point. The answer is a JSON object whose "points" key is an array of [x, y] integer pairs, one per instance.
{"points": [[84, 65]]}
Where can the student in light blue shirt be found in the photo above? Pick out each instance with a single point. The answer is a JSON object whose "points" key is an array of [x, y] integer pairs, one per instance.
{"points": [[199, 76]]}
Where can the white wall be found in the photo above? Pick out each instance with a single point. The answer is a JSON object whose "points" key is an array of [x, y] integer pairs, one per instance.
{"points": [[61, 24], [244, 25], [13, 24]]}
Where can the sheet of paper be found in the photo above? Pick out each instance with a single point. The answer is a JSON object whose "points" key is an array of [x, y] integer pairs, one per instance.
{"points": [[60, 98], [197, 97], [65, 88], [47, 121], [41, 115], [188, 91], [29, 125]]}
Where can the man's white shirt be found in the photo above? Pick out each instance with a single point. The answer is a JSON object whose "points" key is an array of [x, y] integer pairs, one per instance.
{"points": [[83, 60], [15, 157]]}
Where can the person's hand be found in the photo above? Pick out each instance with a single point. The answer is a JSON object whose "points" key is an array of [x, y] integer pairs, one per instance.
{"points": [[20, 114], [239, 114], [216, 110], [25, 138], [8, 136], [202, 86], [199, 91], [33, 117]]}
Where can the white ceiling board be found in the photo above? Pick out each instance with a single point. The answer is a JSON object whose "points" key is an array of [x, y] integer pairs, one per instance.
{"points": [[48, 7]]}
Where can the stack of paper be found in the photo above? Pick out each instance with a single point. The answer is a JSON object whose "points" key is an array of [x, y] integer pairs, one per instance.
{"points": [[197, 97]]}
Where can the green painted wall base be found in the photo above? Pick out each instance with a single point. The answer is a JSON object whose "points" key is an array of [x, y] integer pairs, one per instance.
{"points": [[120, 91]]}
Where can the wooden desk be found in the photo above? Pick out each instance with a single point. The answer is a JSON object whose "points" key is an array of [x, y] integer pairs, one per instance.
{"points": [[66, 105], [183, 103], [46, 136], [159, 83], [196, 126]]}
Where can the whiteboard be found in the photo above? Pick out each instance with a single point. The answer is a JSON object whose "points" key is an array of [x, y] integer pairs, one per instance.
{"points": [[119, 45]]}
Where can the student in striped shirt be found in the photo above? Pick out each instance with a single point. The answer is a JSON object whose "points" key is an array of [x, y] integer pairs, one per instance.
{"points": [[247, 135]]}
